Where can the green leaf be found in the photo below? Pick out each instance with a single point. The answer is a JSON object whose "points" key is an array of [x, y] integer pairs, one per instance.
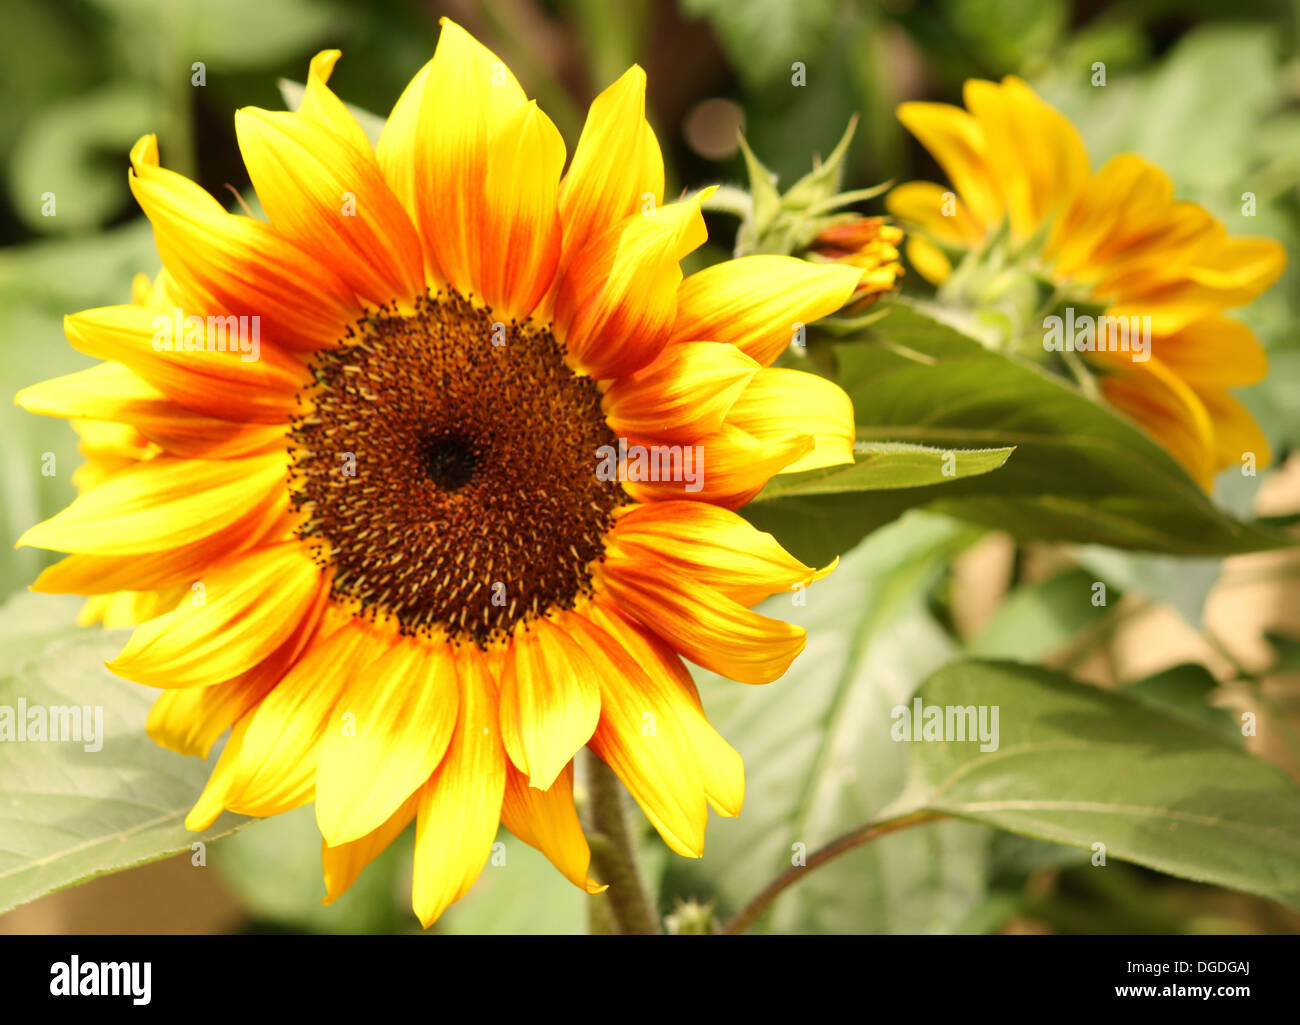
{"points": [[1184, 691], [1081, 472], [234, 34], [1039, 618], [767, 200], [1078, 765], [763, 38], [68, 814], [62, 158], [819, 762], [1182, 582], [1287, 650], [888, 465], [1219, 75], [816, 188]]}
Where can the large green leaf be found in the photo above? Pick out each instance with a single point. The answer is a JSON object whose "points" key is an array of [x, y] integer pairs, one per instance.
{"points": [[1186, 690], [1083, 766], [68, 814], [883, 466], [819, 761], [1080, 471]]}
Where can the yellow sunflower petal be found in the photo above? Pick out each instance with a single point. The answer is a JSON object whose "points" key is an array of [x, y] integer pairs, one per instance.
{"points": [[329, 198], [237, 265], [1167, 408], [1119, 204], [617, 167], [683, 394], [398, 143], [1243, 264], [727, 468], [460, 806], [936, 209], [520, 219], [550, 702], [141, 508], [209, 643], [280, 749], [619, 297], [319, 104], [261, 520], [1161, 254], [711, 545], [390, 731], [700, 622], [759, 303], [342, 864], [778, 404], [640, 738], [1223, 273], [201, 377], [929, 260], [189, 720], [548, 820], [1236, 432], [469, 95], [1034, 152], [1216, 352], [956, 140], [721, 769], [110, 391], [124, 609], [212, 802]]}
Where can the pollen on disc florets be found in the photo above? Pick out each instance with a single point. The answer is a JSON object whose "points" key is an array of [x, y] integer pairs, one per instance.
{"points": [[447, 465]]}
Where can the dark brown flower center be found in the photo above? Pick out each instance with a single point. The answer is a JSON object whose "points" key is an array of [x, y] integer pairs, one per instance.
{"points": [[449, 464]]}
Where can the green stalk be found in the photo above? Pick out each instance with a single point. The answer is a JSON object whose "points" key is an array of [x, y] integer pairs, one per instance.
{"points": [[614, 859]]}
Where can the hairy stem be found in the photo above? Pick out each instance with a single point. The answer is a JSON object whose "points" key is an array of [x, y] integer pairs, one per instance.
{"points": [[614, 857]]}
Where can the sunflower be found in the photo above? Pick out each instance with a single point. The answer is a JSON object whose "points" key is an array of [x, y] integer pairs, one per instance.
{"points": [[866, 242], [1117, 238], [109, 447], [447, 452]]}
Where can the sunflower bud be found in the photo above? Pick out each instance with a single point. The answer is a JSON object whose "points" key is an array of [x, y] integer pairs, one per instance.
{"points": [[866, 242]]}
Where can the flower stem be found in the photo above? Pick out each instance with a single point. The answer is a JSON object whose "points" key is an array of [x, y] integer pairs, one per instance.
{"points": [[613, 856], [729, 199], [750, 913]]}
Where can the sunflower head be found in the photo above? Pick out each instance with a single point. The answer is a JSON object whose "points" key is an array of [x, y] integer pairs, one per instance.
{"points": [[446, 454], [1039, 235]]}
